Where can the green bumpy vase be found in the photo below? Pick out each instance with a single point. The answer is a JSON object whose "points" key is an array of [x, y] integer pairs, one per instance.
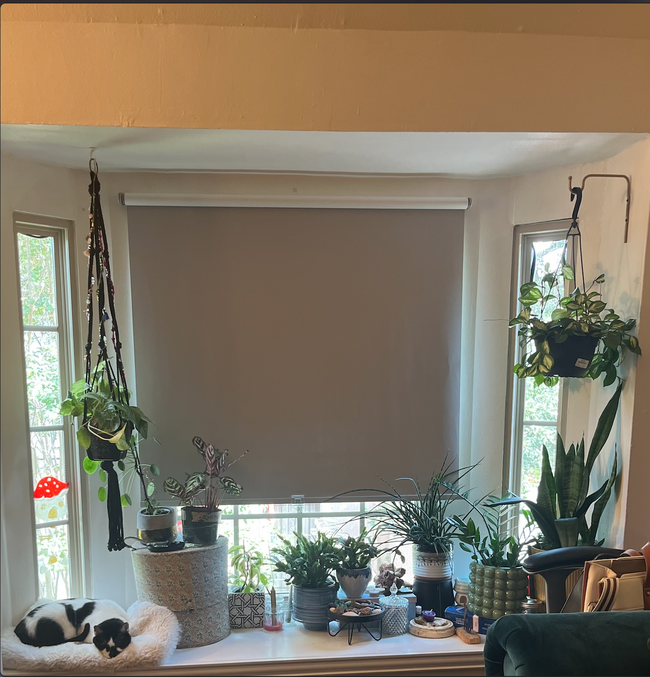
{"points": [[496, 591]]}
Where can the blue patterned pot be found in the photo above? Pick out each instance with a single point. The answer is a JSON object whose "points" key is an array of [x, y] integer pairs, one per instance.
{"points": [[354, 581], [310, 605]]}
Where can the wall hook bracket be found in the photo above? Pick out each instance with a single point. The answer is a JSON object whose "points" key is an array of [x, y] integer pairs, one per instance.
{"points": [[607, 176]]}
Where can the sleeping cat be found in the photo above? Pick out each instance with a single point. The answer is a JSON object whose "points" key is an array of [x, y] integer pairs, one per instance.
{"points": [[70, 620]]}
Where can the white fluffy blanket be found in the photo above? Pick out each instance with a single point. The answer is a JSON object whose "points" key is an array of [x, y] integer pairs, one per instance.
{"points": [[155, 632]]}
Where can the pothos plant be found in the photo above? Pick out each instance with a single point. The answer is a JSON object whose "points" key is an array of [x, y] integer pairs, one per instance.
{"points": [[204, 489], [110, 418], [582, 313]]}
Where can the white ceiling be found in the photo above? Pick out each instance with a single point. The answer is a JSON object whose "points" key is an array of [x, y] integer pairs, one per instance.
{"points": [[459, 154]]}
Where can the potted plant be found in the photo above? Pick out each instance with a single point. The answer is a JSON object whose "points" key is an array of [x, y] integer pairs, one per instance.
{"points": [[562, 497], [498, 583], [574, 336], [200, 496], [309, 566], [421, 520], [247, 583], [389, 574], [110, 430], [353, 571]]}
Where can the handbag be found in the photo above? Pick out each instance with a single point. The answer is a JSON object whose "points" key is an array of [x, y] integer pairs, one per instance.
{"points": [[621, 584]]}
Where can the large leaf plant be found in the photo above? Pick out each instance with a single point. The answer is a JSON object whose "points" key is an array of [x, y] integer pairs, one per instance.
{"points": [[564, 494]]}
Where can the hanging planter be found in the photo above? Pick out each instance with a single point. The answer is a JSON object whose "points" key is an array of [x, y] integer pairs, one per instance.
{"points": [[109, 426], [570, 336]]}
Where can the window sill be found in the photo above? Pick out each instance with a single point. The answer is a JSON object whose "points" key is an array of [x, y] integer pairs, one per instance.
{"points": [[296, 651]]}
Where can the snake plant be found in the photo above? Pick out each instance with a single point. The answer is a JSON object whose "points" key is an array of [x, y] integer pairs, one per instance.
{"points": [[563, 495]]}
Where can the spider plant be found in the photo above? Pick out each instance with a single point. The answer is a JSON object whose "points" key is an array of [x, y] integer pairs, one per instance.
{"points": [[421, 517]]}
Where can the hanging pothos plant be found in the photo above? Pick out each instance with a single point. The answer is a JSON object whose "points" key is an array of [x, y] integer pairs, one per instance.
{"points": [[581, 314], [575, 335]]}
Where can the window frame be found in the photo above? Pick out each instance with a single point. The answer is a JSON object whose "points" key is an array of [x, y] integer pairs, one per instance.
{"points": [[523, 235], [63, 233]]}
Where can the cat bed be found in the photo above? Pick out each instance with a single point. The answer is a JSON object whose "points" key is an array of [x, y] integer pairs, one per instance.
{"points": [[155, 633]]}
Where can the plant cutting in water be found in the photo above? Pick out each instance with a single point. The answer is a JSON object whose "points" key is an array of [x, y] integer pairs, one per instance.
{"points": [[248, 569]]}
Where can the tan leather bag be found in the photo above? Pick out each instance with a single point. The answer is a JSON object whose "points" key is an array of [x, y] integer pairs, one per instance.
{"points": [[621, 584]]}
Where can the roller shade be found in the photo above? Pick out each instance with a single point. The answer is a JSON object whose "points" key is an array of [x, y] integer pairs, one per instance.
{"points": [[325, 341]]}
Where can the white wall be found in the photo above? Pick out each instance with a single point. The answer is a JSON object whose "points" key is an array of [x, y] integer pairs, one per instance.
{"points": [[545, 196], [497, 206]]}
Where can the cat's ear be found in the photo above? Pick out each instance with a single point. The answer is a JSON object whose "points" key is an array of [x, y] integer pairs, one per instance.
{"points": [[97, 629], [125, 627]]}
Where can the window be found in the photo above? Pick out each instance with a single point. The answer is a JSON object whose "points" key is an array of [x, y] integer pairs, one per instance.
{"points": [[536, 410], [44, 271], [260, 525]]}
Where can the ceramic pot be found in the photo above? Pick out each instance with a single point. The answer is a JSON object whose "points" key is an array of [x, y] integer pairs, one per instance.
{"points": [[157, 528], [310, 605], [354, 581], [571, 357], [200, 525], [496, 591], [432, 566]]}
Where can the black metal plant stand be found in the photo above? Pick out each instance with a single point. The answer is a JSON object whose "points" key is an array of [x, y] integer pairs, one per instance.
{"points": [[359, 623]]}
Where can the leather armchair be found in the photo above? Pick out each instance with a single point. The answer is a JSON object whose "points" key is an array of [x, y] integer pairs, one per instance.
{"points": [[555, 565]]}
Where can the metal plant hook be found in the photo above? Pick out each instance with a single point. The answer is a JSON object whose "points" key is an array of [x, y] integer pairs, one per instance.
{"points": [[92, 163], [578, 192]]}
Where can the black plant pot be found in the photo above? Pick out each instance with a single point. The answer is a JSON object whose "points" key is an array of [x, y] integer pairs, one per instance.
{"points": [[102, 450], [200, 525], [572, 357]]}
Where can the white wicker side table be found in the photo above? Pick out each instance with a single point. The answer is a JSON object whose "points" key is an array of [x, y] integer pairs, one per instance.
{"points": [[193, 583]]}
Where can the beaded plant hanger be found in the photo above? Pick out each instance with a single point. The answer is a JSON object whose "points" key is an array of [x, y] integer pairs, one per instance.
{"points": [[101, 289]]}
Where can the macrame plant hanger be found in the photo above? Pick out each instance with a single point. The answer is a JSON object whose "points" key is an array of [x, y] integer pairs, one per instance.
{"points": [[575, 236], [100, 287]]}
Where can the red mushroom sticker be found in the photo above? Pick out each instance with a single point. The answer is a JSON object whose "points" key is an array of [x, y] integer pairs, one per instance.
{"points": [[49, 487]]}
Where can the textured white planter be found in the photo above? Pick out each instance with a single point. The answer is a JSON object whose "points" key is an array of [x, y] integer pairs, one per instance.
{"points": [[432, 566], [354, 581]]}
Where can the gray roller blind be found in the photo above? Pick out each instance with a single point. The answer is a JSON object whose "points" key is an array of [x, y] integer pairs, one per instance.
{"points": [[325, 341]]}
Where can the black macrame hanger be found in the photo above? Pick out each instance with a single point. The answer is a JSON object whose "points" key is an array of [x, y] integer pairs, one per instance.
{"points": [[99, 276]]}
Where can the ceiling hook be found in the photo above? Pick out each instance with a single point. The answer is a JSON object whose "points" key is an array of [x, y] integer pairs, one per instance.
{"points": [[92, 163]]}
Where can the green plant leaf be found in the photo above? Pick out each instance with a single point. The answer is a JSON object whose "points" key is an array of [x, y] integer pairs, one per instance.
{"points": [[567, 272], [123, 500], [83, 436], [599, 505], [151, 487], [546, 492], [102, 475], [603, 428], [558, 314], [121, 465], [101, 494], [90, 466], [155, 470], [600, 279]]}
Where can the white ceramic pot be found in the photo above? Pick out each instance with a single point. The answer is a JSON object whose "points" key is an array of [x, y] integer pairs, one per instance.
{"points": [[354, 581], [432, 566], [157, 528]]}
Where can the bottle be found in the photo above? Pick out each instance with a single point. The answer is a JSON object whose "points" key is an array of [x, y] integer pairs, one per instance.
{"points": [[418, 610]]}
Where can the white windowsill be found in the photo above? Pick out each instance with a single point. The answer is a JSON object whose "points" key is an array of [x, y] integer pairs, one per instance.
{"points": [[296, 651]]}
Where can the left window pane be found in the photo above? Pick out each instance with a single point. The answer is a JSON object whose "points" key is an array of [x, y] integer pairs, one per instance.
{"points": [[42, 368], [53, 564], [37, 280]]}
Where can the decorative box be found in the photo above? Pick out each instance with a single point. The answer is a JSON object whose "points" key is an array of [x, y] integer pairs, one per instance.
{"points": [[246, 609], [456, 614]]}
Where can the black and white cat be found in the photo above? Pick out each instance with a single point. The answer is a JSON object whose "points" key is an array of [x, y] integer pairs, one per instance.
{"points": [[70, 620]]}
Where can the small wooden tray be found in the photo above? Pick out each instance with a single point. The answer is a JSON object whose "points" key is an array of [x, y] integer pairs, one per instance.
{"points": [[443, 628]]}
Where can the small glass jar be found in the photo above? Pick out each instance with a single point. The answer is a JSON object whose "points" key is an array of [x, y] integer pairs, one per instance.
{"points": [[533, 606], [395, 621], [461, 589], [275, 617]]}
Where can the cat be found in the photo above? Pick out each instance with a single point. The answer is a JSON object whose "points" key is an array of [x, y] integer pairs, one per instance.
{"points": [[70, 620]]}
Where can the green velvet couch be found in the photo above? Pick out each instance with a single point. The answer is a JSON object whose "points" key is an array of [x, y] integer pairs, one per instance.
{"points": [[606, 643]]}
